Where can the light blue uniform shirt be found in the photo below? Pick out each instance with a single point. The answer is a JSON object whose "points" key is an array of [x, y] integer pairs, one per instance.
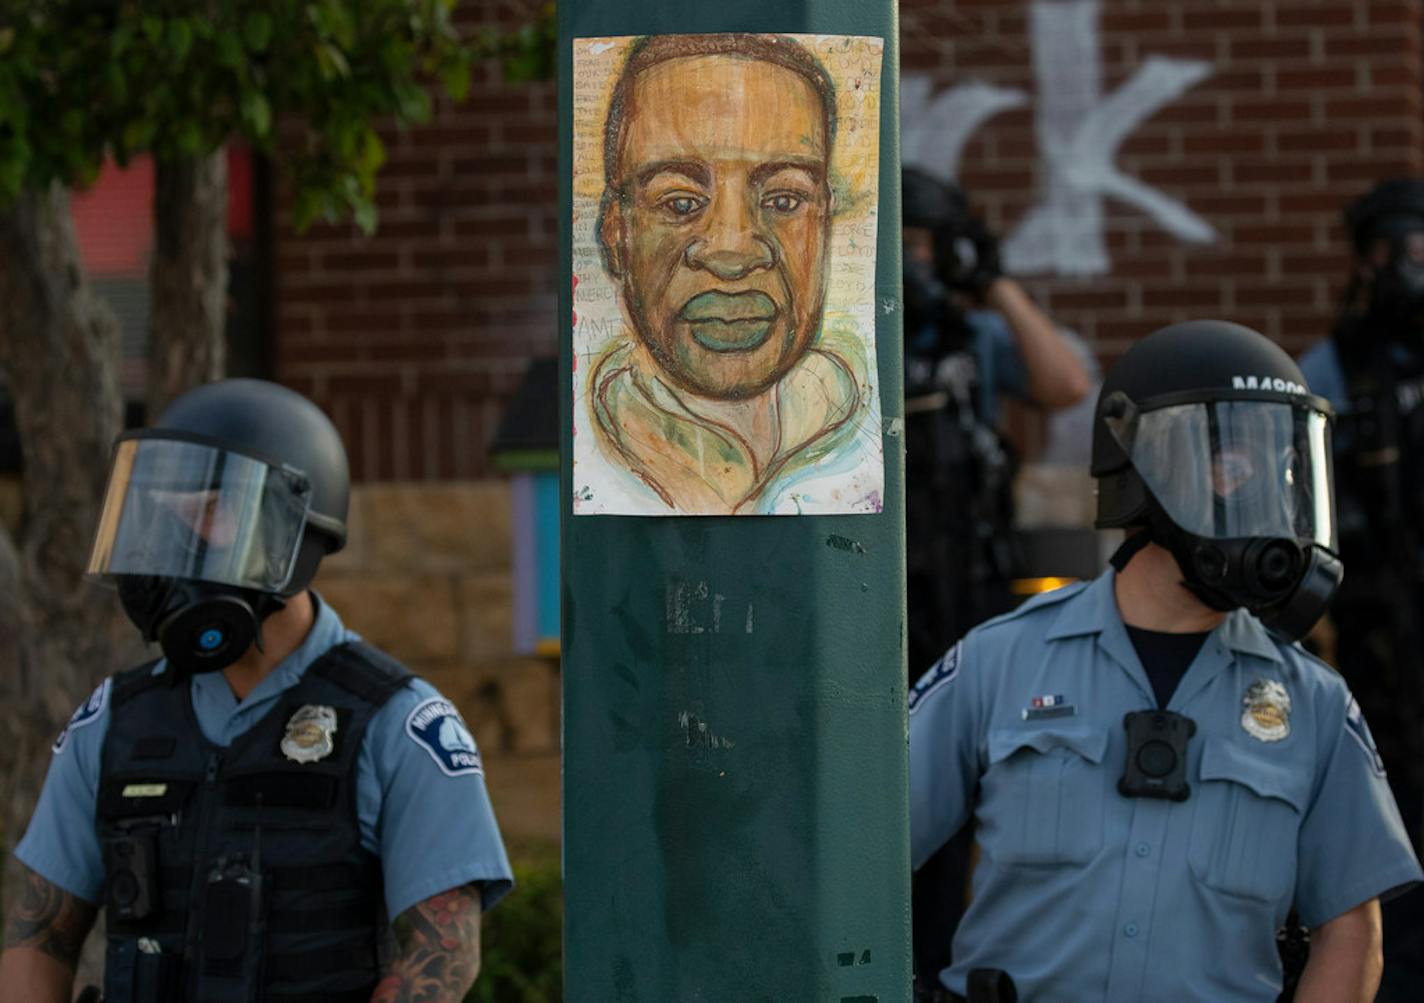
{"points": [[433, 831], [1001, 367], [1082, 894]]}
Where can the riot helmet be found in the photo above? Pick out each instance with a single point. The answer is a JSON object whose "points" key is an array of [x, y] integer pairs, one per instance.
{"points": [[1387, 231], [1206, 435], [217, 514], [963, 254]]}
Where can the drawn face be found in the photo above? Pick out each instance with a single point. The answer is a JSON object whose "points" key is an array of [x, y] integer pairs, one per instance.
{"points": [[719, 236]]}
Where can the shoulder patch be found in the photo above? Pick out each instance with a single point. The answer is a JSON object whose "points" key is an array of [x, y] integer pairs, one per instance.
{"points": [[941, 673], [86, 713], [437, 727], [1360, 732]]}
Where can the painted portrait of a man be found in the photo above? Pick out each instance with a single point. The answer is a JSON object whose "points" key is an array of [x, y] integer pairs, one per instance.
{"points": [[728, 381]]}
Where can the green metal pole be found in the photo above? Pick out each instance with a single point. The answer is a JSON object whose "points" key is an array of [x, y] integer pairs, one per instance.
{"points": [[735, 792]]}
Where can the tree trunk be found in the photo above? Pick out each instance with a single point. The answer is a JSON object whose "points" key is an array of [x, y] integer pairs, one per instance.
{"points": [[188, 276], [59, 357]]}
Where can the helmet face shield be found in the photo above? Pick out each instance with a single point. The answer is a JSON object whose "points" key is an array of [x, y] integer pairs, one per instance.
{"points": [[185, 510], [1236, 468]]}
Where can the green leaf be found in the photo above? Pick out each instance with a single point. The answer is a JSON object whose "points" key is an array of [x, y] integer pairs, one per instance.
{"points": [[331, 61], [138, 134], [180, 39], [116, 83], [257, 30], [365, 215], [413, 102], [456, 79], [121, 38], [152, 28], [89, 172], [190, 138], [373, 153], [337, 22], [304, 209], [257, 112], [229, 50], [12, 178]]}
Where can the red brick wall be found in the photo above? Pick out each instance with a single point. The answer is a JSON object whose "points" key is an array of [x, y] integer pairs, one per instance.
{"points": [[1305, 105], [414, 339]]}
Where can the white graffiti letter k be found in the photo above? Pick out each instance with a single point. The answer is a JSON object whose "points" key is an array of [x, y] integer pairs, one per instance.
{"points": [[1079, 133]]}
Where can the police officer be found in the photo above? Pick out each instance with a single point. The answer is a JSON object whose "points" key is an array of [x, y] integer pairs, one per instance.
{"points": [[1371, 368], [972, 336], [1156, 771], [250, 808]]}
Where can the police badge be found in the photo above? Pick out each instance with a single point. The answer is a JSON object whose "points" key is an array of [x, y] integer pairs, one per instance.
{"points": [[310, 734], [1267, 713]]}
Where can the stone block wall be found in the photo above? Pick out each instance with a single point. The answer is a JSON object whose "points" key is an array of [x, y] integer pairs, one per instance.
{"points": [[426, 575]]}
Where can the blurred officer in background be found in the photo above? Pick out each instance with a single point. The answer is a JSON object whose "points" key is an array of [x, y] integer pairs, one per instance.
{"points": [[249, 809], [1156, 771], [1371, 368], [972, 335]]}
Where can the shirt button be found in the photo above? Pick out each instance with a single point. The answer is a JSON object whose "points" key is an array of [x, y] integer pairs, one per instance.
{"points": [[1143, 849], [1130, 930]]}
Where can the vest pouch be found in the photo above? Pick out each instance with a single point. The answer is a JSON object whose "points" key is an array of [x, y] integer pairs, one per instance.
{"points": [[230, 965], [158, 974], [141, 972]]}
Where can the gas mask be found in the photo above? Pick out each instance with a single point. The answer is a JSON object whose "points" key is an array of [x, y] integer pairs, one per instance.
{"points": [[202, 545], [935, 325], [1397, 290], [1242, 496]]}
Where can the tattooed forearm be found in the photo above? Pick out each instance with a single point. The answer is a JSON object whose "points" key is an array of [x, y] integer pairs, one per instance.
{"points": [[47, 918], [439, 950]]}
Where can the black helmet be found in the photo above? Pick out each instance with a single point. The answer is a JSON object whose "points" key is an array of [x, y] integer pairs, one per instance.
{"points": [[1391, 213], [267, 421], [931, 203], [218, 513], [1396, 197], [1206, 435], [966, 258]]}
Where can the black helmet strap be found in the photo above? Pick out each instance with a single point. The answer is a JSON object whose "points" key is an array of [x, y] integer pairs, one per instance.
{"points": [[1129, 548]]}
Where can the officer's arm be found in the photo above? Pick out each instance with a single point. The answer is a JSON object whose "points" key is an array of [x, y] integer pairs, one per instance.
{"points": [[43, 935], [944, 770], [1056, 376], [1346, 958], [438, 950]]}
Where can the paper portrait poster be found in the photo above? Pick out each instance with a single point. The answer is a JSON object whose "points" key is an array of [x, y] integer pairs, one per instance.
{"points": [[725, 197]]}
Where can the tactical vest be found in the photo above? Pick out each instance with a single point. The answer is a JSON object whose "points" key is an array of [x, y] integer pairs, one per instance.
{"points": [[237, 875], [959, 509], [1379, 446]]}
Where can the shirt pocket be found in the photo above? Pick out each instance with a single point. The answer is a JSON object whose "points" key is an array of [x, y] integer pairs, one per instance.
{"points": [[1247, 821], [1042, 797]]}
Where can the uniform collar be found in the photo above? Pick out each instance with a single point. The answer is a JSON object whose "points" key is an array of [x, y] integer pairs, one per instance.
{"points": [[1094, 611]]}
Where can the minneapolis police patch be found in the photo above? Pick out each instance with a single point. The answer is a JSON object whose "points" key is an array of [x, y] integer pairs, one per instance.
{"points": [[1360, 731], [940, 673], [87, 713], [436, 725]]}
